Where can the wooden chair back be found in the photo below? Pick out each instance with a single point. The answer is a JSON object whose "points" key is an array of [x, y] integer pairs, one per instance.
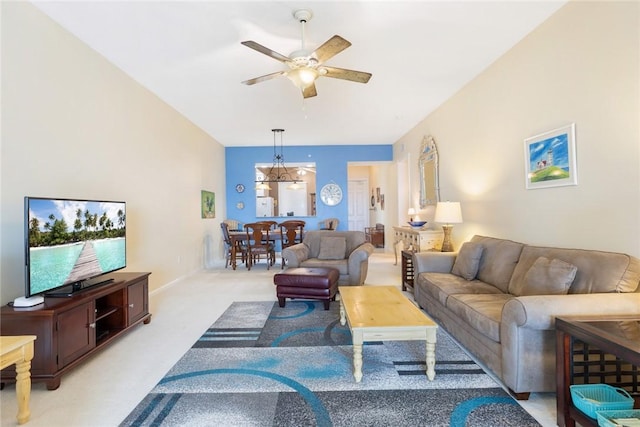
{"points": [[228, 245], [292, 232], [259, 243]]}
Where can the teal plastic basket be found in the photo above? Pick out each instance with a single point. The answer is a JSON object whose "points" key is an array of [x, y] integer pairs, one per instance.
{"points": [[590, 398], [605, 418]]}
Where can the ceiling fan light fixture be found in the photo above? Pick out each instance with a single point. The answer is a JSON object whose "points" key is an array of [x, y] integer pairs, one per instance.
{"points": [[303, 77], [306, 66]]}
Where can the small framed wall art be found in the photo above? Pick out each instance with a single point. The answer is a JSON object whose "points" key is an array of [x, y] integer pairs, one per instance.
{"points": [[208, 204], [550, 158]]}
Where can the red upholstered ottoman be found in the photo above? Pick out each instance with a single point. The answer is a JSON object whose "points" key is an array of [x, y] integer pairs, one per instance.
{"points": [[310, 283]]}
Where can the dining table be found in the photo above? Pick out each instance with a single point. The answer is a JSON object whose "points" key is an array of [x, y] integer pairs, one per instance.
{"points": [[239, 236]]}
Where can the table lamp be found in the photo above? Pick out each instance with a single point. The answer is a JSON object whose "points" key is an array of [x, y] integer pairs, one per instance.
{"points": [[411, 212], [448, 213]]}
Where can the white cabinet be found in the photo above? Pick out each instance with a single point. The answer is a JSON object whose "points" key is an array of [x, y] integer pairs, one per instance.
{"points": [[417, 240]]}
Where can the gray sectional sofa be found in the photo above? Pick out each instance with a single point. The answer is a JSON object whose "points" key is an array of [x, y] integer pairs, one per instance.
{"points": [[348, 251], [500, 298]]}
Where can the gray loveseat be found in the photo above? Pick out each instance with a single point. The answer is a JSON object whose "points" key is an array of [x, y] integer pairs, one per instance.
{"points": [[347, 251], [500, 298]]}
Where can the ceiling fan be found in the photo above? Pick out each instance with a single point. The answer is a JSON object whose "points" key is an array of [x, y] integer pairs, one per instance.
{"points": [[306, 66]]}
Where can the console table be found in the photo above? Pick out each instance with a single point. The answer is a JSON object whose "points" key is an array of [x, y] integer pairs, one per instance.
{"points": [[597, 349], [416, 240]]}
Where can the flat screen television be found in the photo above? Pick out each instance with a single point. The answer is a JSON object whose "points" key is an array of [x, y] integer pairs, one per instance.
{"points": [[71, 244]]}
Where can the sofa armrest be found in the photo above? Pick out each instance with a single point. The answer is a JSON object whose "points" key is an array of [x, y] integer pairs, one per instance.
{"points": [[294, 255], [540, 311], [359, 263], [528, 337], [435, 262]]}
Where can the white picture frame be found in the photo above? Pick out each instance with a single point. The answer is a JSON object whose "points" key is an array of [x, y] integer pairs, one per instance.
{"points": [[550, 158]]}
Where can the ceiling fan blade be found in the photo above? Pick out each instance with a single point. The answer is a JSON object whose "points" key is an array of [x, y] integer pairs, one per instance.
{"points": [[265, 50], [344, 74], [310, 91], [330, 48], [265, 77]]}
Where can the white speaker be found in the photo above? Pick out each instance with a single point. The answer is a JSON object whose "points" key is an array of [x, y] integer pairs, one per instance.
{"points": [[28, 302]]}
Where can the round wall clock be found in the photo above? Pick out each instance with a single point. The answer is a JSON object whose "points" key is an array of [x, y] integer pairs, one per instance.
{"points": [[239, 188], [331, 194]]}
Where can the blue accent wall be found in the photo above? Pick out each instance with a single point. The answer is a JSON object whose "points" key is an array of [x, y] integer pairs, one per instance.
{"points": [[331, 165]]}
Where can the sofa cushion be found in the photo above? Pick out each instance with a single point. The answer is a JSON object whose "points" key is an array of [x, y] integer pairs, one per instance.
{"points": [[482, 312], [332, 248], [499, 259], [468, 260], [598, 271], [545, 277], [440, 285]]}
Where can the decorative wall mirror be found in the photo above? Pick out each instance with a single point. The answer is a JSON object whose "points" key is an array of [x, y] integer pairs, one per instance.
{"points": [[293, 195], [428, 165]]}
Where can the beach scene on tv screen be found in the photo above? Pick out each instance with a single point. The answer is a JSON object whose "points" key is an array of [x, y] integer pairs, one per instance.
{"points": [[70, 241]]}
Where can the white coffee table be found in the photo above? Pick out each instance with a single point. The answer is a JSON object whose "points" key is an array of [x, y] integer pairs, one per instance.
{"points": [[383, 313]]}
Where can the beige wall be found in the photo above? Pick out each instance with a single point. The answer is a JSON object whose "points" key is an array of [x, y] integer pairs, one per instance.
{"points": [[75, 126], [582, 66]]}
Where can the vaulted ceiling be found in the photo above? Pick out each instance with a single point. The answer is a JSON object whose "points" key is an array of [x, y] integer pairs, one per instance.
{"points": [[189, 54]]}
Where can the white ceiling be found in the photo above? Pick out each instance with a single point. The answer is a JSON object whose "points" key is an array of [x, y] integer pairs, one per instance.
{"points": [[189, 54]]}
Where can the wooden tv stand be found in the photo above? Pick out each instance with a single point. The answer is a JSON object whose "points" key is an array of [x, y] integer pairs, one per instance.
{"points": [[71, 329]]}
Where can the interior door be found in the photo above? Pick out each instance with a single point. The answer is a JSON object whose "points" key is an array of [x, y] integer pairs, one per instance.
{"points": [[358, 204]]}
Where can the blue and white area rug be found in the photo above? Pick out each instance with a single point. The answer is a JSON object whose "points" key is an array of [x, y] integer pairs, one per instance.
{"points": [[262, 365]]}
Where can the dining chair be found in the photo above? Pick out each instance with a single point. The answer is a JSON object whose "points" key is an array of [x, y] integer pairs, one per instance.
{"points": [[228, 246], [291, 233], [272, 224], [233, 224], [259, 243], [329, 224]]}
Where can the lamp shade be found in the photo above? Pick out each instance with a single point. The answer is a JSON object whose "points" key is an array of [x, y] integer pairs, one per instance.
{"points": [[448, 213], [411, 211], [303, 77]]}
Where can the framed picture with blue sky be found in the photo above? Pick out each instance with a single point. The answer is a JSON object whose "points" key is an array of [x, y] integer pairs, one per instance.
{"points": [[550, 158]]}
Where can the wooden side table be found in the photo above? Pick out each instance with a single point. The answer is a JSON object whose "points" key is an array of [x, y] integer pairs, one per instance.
{"points": [[585, 347], [19, 350], [407, 269]]}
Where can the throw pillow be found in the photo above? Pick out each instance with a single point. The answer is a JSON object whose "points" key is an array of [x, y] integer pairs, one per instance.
{"points": [[333, 248], [548, 277], [468, 260]]}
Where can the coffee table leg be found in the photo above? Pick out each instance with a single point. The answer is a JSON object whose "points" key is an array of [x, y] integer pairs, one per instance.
{"points": [[343, 318], [357, 362], [431, 355]]}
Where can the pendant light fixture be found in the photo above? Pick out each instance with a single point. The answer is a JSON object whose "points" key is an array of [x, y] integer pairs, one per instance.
{"points": [[278, 171]]}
